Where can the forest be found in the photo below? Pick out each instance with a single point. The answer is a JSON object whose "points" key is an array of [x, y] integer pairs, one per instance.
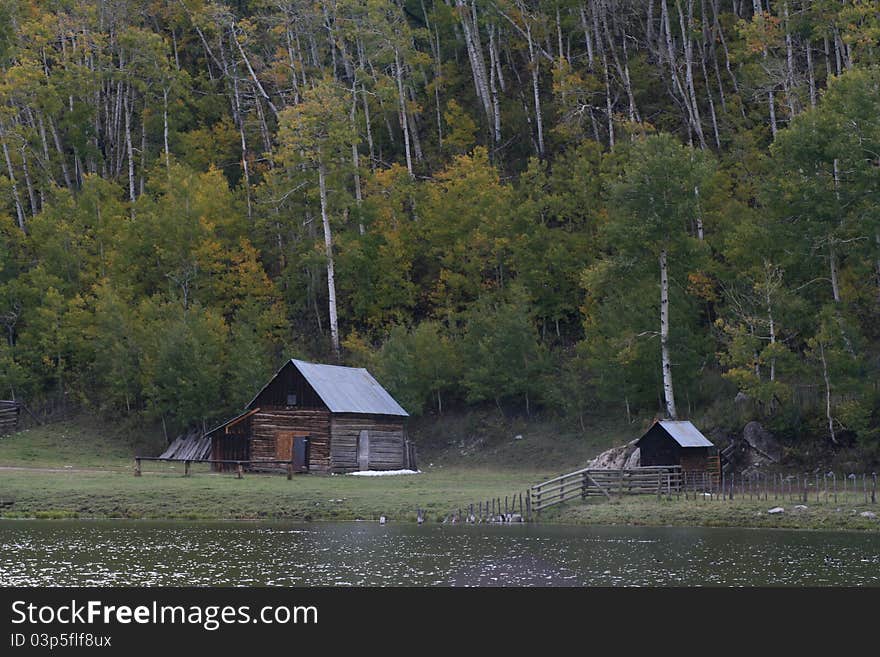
{"points": [[562, 207]]}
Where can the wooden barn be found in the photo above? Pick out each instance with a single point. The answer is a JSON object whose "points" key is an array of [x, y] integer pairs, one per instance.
{"points": [[677, 442], [327, 418]]}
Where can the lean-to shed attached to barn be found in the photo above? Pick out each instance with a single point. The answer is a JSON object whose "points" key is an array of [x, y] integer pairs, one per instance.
{"points": [[677, 442], [351, 422]]}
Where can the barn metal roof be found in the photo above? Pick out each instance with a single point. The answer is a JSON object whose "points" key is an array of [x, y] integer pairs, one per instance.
{"points": [[345, 389], [348, 389], [685, 433]]}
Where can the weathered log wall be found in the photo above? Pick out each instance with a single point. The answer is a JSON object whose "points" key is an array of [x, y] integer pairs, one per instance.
{"points": [[9, 412], [269, 421], [387, 442]]}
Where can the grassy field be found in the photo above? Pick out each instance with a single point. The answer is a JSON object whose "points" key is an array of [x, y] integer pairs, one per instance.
{"points": [[80, 469], [204, 495], [703, 512]]}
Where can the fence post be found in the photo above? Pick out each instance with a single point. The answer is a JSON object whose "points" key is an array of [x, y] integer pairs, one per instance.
{"points": [[529, 504], [239, 471], [186, 468], [290, 470], [874, 488], [137, 467]]}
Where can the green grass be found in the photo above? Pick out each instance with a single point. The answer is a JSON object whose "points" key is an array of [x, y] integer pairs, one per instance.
{"points": [[705, 512], [81, 443], [167, 494]]}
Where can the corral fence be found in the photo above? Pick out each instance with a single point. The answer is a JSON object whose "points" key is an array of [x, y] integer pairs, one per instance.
{"points": [[671, 483], [237, 466], [807, 487], [582, 484]]}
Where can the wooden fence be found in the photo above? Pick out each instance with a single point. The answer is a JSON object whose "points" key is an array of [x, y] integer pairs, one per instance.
{"points": [[239, 465], [582, 484]]}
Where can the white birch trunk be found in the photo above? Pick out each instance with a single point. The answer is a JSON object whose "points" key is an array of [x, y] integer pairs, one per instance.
{"points": [[811, 75], [165, 129], [328, 249], [827, 380], [130, 152], [19, 211], [668, 391]]}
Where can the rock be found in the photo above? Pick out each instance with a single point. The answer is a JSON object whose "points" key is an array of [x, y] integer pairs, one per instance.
{"points": [[868, 514], [741, 398], [800, 507], [614, 458], [762, 441], [634, 459], [775, 510], [518, 436]]}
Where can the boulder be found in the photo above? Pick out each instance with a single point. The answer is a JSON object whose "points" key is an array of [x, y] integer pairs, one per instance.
{"points": [[614, 458], [868, 514], [634, 459], [762, 442], [775, 510]]}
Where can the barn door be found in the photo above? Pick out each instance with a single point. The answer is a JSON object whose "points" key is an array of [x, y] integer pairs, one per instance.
{"points": [[284, 444], [363, 450]]}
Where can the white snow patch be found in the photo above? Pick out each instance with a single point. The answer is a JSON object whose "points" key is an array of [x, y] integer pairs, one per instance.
{"points": [[384, 473]]}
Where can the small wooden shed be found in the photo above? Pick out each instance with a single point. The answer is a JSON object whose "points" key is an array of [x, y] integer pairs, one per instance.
{"points": [[677, 442], [351, 422]]}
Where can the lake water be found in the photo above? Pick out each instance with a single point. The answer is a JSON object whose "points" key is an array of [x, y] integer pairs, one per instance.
{"points": [[170, 553]]}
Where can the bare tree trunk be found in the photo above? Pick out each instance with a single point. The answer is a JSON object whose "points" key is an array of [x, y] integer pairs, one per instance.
{"points": [[19, 211], [832, 260], [165, 130], [130, 153], [254, 77], [244, 150], [789, 63], [600, 42], [404, 122], [587, 36], [622, 69], [811, 75], [700, 235], [493, 87], [827, 393], [668, 391], [691, 92], [469, 26], [355, 156], [539, 122], [64, 170], [328, 249], [27, 181]]}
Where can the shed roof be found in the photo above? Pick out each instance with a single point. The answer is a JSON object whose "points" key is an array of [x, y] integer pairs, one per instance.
{"points": [[684, 433], [345, 389]]}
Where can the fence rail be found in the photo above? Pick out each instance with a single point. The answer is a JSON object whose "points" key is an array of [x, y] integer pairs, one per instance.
{"points": [[588, 482], [239, 465]]}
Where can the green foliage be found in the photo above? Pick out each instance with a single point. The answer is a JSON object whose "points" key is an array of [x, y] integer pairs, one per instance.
{"points": [[166, 170], [505, 360], [420, 367]]}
